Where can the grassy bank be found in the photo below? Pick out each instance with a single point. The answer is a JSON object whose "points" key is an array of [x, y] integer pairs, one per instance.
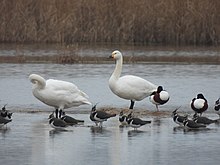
{"points": [[175, 22]]}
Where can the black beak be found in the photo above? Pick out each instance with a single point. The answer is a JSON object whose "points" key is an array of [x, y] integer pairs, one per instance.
{"points": [[110, 57]]}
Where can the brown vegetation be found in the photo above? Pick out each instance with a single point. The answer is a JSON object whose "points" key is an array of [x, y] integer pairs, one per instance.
{"points": [[177, 22]]}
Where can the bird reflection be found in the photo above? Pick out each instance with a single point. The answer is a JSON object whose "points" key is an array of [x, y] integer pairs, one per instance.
{"points": [[133, 133], [4, 131], [55, 132]]}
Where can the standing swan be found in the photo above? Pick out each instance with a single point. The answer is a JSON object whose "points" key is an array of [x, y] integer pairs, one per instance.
{"points": [[56, 93], [129, 87]]}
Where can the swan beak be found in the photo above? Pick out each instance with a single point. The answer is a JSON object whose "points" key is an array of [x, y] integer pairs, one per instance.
{"points": [[111, 56]]}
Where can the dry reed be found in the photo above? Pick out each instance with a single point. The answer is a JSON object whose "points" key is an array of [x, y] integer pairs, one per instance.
{"points": [[175, 22]]}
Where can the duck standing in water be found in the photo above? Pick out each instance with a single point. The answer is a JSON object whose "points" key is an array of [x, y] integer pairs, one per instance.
{"points": [[199, 104], [159, 97]]}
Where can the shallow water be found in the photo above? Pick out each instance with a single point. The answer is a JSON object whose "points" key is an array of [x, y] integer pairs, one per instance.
{"points": [[30, 140], [183, 82]]}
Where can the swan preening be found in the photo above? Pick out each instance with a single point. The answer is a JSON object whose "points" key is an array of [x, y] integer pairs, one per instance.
{"points": [[58, 94], [130, 87]]}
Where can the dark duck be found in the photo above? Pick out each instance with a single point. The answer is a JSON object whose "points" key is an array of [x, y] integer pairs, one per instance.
{"points": [[199, 104], [159, 97]]}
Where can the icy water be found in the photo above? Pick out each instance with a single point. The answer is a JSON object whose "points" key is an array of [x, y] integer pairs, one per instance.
{"points": [[29, 140]]}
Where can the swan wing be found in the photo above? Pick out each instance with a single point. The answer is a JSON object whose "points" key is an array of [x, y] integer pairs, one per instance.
{"points": [[133, 87], [61, 94]]}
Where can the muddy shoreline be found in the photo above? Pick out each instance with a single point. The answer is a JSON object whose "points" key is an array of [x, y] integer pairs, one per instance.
{"points": [[75, 59]]}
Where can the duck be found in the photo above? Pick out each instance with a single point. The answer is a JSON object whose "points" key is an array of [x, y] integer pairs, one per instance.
{"points": [[199, 104], [178, 119], [123, 119], [159, 97], [135, 122], [70, 120], [99, 116], [57, 123], [128, 87], [57, 93]]}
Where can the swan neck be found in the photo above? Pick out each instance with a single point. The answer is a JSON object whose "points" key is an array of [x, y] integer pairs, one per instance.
{"points": [[38, 81], [118, 68]]}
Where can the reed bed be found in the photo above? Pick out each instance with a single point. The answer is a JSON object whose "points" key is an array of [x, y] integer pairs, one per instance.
{"points": [[173, 22]]}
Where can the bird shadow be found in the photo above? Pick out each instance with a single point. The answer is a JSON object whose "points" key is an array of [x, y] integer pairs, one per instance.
{"points": [[55, 132], [195, 131], [5, 130], [178, 128], [133, 133], [98, 130]]}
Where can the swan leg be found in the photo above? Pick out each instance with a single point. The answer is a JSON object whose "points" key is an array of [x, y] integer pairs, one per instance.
{"points": [[60, 113], [131, 105], [56, 112]]}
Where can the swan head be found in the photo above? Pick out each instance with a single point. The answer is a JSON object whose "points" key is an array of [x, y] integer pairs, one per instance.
{"points": [[37, 80], [116, 55]]}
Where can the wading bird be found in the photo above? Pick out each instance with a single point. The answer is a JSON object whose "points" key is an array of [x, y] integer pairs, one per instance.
{"points": [[128, 87], [58, 94], [159, 97], [199, 104]]}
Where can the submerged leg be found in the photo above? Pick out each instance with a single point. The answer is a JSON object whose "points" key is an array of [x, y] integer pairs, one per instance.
{"points": [[131, 105], [56, 113]]}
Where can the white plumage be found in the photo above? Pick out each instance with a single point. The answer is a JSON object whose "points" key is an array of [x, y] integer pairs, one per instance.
{"points": [[199, 103], [56, 93], [129, 87]]}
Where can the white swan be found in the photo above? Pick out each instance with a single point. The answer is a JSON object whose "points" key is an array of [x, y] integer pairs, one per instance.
{"points": [[56, 93], [129, 87]]}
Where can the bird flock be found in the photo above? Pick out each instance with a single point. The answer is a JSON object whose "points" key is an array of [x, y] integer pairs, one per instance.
{"points": [[62, 95]]}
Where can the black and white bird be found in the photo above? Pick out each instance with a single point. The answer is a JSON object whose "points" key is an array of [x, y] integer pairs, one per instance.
{"points": [[99, 116], [57, 123], [203, 120], [159, 97], [199, 104], [5, 116], [178, 119], [123, 119], [135, 122], [4, 121], [217, 105], [70, 120], [190, 124]]}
